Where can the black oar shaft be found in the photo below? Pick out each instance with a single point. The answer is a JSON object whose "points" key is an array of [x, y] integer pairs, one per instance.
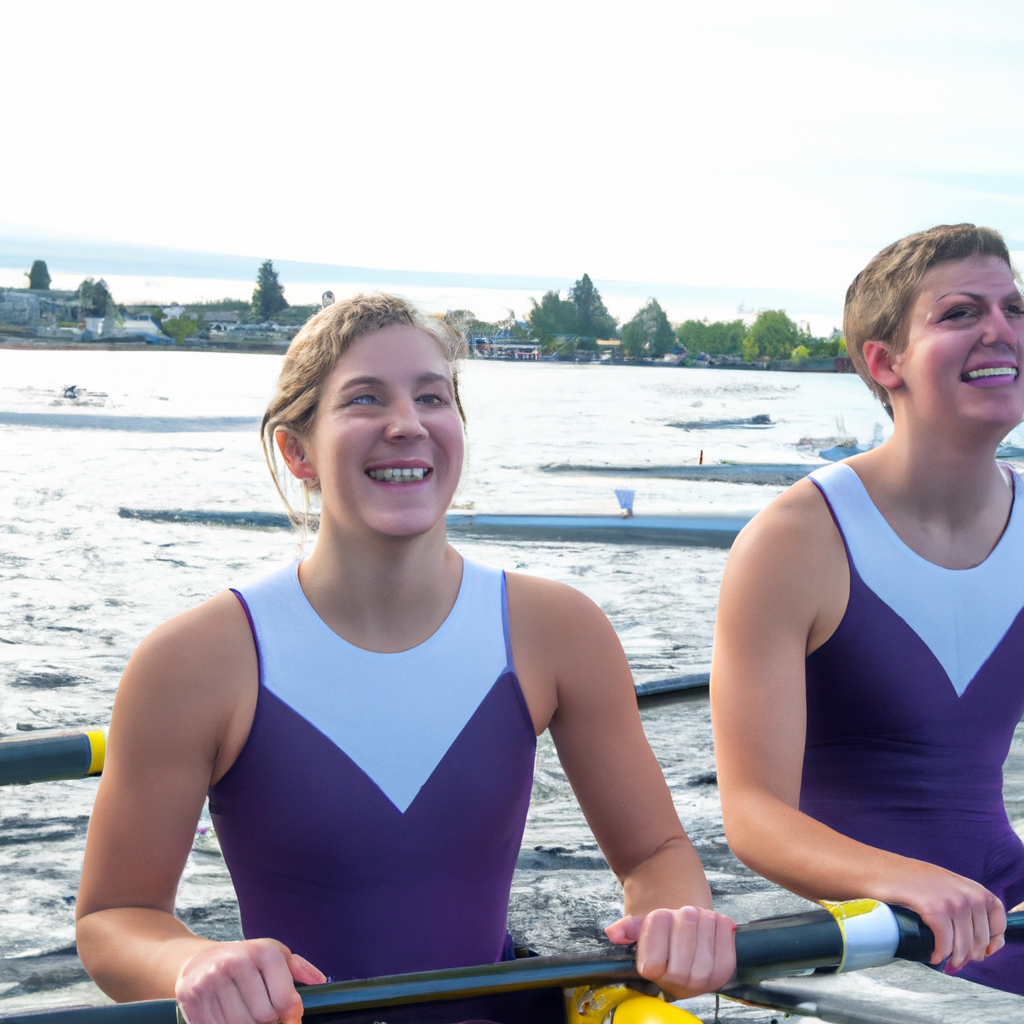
{"points": [[469, 982], [771, 947], [47, 756]]}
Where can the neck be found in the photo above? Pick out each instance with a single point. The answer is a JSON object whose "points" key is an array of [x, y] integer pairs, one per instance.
{"points": [[382, 593], [949, 476]]}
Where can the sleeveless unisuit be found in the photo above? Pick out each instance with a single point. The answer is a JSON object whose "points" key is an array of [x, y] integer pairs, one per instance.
{"points": [[373, 819], [912, 704]]}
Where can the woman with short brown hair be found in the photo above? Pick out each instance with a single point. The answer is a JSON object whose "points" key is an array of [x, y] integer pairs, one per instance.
{"points": [[867, 676]]}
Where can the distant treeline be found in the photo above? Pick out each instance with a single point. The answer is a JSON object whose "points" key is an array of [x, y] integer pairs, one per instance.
{"points": [[772, 335], [579, 321], [582, 317]]}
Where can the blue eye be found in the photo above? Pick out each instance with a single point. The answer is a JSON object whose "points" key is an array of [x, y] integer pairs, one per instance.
{"points": [[364, 400]]}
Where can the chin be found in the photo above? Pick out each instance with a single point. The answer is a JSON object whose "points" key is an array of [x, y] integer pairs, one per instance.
{"points": [[406, 524]]}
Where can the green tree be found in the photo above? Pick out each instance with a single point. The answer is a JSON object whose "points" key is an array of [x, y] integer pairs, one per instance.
{"points": [[773, 335], [94, 297], [592, 318], [39, 276], [553, 315], [268, 295], [718, 338], [180, 328], [649, 333]]}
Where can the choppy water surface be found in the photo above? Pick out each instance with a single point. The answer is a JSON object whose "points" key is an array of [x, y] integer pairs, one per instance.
{"points": [[81, 587]]}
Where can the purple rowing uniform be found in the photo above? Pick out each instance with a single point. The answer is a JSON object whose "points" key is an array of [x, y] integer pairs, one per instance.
{"points": [[373, 819], [912, 704]]}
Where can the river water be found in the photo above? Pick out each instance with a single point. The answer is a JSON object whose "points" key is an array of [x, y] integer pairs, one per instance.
{"points": [[81, 586]]}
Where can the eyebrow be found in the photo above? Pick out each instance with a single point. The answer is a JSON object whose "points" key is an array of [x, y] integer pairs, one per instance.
{"points": [[423, 378], [977, 296]]}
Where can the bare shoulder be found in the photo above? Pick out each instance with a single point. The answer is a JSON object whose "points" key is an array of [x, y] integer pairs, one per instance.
{"points": [[192, 680], [794, 518], [793, 539], [543, 601], [787, 571], [565, 650]]}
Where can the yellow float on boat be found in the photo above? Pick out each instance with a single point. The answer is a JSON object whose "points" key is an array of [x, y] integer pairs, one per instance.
{"points": [[618, 1004]]}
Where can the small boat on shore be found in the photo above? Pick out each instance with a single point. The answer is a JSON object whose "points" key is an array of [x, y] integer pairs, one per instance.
{"points": [[703, 529]]}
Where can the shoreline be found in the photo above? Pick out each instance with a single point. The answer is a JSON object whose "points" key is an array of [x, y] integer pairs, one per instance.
{"points": [[277, 348], [273, 348]]}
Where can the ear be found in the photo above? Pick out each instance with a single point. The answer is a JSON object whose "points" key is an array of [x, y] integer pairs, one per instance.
{"points": [[293, 451], [882, 365]]}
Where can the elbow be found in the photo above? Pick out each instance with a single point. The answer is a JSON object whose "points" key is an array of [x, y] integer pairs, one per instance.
{"points": [[88, 942], [745, 834]]}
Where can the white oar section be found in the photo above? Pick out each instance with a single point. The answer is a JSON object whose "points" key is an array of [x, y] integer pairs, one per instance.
{"points": [[871, 933]]}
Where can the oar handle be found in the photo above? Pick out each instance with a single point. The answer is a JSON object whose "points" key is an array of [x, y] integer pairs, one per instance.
{"points": [[840, 937], [816, 940], [52, 754]]}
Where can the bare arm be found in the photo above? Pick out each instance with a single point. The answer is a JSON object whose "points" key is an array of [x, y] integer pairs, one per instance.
{"points": [[783, 594], [180, 718], [577, 682]]}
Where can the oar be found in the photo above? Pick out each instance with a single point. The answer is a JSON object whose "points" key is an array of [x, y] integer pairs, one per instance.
{"points": [[849, 936], [394, 990], [52, 754]]}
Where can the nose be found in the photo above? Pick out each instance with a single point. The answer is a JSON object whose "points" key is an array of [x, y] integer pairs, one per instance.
{"points": [[405, 424], [1002, 328]]}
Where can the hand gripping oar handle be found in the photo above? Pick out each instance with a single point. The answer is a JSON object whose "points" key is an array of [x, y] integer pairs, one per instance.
{"points": [[394, 990], [838, 938], [773, 947]]}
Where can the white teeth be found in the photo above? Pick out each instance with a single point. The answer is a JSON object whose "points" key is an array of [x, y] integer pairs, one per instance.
{"points": [[399, 475], [990, 371]]}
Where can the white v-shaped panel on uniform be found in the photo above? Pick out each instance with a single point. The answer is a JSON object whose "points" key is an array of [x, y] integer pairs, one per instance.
{"points": [[961, 614], [394, 715]]}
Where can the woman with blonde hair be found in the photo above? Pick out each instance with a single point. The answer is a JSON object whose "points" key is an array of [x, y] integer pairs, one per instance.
{"points": [[365, 724], [867, 675]]}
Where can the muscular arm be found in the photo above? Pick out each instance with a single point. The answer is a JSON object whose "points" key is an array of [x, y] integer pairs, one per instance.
{"points": [[181, 715], [783, 594], [577, 682]]}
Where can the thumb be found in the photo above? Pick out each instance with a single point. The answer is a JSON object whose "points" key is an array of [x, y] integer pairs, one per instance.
{"points": [[303, 971], [624, 931]]}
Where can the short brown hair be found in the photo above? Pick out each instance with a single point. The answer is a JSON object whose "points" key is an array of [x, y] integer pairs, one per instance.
{"points": [[880, 297], [315, 350]]}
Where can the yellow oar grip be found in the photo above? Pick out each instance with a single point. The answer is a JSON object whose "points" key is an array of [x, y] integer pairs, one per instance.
{"points": [[98, 749]]}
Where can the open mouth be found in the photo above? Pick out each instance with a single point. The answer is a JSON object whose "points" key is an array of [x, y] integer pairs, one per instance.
{"points": [[399, 476], [1006, 372]]}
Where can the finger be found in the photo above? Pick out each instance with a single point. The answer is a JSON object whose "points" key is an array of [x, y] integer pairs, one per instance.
{"points": [[942, 929], [996, 926], [688, 955], [231, 1007], [252, 995], [200, 1007], [963, 935], [303, 971], [625, 930], [197, 1010], [982, 931], [1016, 909], [653, 945], [725, 952], [276, 975]]}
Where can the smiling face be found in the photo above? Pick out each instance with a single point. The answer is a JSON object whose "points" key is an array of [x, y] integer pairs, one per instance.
{"points": [[964, 350], [386, 441]]}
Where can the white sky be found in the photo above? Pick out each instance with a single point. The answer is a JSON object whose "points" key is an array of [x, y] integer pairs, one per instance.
{"points": [[757, 144]]}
